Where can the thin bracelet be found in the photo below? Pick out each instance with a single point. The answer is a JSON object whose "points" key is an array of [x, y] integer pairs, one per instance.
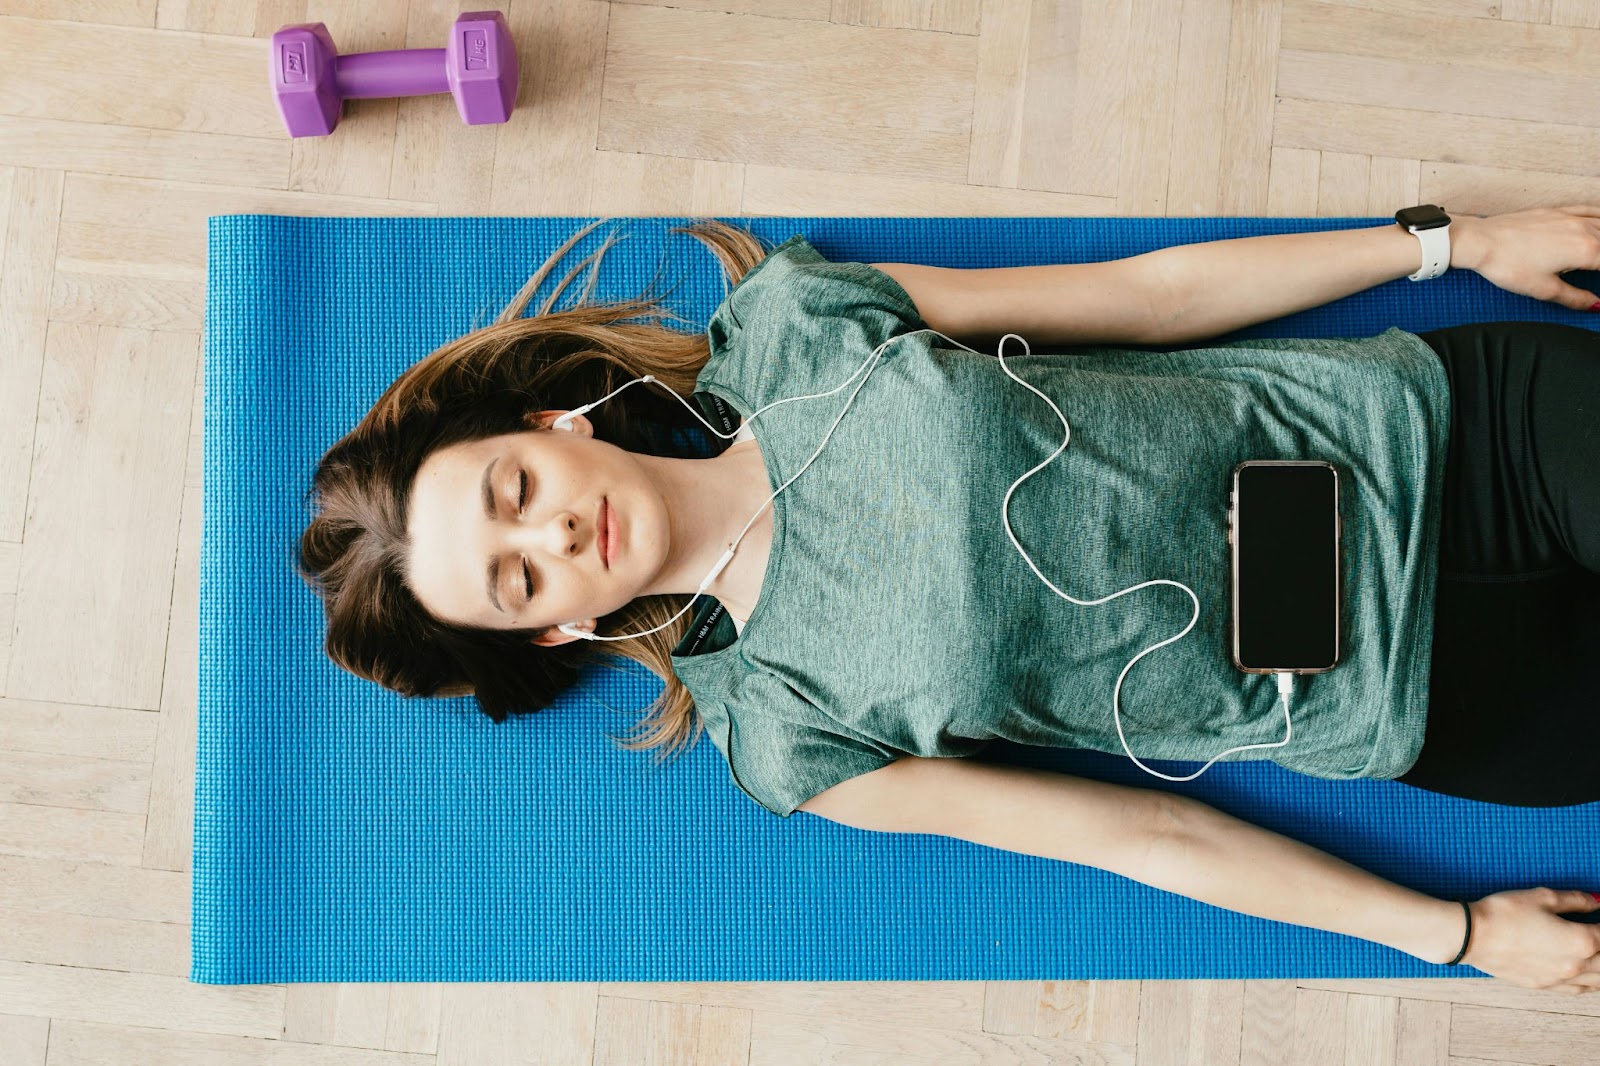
{"points": [[1465, 940]]}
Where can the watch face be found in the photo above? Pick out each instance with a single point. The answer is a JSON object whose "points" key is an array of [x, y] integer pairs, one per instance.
{"points": [[1426, 216]]}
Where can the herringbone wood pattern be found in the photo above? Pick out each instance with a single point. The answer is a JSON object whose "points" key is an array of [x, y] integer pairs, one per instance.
{"points": [[124, 123]]}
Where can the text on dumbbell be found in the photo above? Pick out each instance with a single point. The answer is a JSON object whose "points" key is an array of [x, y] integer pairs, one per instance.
{"points": [[294, 62]]}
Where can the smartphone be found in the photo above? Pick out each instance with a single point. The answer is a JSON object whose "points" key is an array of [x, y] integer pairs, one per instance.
{"points": [[1286, 542]]}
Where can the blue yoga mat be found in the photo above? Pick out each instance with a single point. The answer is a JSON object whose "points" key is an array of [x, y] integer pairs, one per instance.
{"points": [[343, 833]]}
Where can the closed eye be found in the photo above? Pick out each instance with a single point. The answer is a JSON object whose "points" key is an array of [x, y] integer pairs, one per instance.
{"points": [[522, 490], [527, 578]]}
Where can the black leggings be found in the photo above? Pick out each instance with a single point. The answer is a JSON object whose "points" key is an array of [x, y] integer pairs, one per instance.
{"points": [[1513, 713]]}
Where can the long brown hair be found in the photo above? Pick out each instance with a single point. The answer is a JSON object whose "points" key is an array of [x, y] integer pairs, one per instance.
{"points": [[490, 382]]}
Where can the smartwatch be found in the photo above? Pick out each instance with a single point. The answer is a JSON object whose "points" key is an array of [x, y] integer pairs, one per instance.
{"points": [[1432, 227]]}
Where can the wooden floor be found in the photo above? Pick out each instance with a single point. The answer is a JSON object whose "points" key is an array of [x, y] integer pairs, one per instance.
{"points": [[124, 123]]}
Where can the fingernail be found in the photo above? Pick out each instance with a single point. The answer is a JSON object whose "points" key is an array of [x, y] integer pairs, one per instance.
{"points": [[1596, 896], [1595, 307]]}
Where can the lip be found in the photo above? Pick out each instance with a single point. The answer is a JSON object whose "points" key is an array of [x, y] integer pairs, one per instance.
{"points": [[604, 525]]}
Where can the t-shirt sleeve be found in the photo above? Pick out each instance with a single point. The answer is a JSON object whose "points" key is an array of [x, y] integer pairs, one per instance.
{"points": [[781, 764], [796, 316]]}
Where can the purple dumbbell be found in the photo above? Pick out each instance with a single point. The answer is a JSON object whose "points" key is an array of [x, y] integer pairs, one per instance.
{"points": [[312, 80]]}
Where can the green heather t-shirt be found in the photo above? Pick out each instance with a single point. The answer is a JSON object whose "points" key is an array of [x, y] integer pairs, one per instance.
{"points": [[896, 617]]}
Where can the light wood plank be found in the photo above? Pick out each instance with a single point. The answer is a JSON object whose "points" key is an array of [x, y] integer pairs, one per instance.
{"points": [[236, 17], [647, 184], [1463, 38], [781, 1039], [354, 1014], [787, 190], [630, 1031], [68, 781], [65, 833], [26, 267], [495, 1024], [169, 827], [1269, 1022], [10, 566], [673, 88], [724, 1037], [70, 993], [1480, 140], [1093, 66], [95, 943], [137, 1044], [1525, 1036], [103, 516], [913, 1004], [201, 83], [8, 177], [999, 95], [1091, 1011], [1319, 1028], [111, 12], [1342, 184], [87, 732], [94, 889], [218, 158], [810, 10], [1372, 1031], [548, 167], [1245, 163], [1146, 111], [1011, 1006], [1423, 1036], [23, 1040], [135, 210], [945, 16], [1194, 170], [1216, 1021], [1477, 991]]}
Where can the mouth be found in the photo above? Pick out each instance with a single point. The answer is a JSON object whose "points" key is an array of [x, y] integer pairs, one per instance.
{"points": [[603, 525]]}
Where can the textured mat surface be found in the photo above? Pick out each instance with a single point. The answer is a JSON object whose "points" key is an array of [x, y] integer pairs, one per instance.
{"points": [[346, 834]]}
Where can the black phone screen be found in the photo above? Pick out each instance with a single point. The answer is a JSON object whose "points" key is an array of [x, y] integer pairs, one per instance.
{"points": [[1286, 600]]}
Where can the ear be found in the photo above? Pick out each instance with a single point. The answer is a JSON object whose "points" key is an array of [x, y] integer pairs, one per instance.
{"points": [[554, 638], [546, 420]]}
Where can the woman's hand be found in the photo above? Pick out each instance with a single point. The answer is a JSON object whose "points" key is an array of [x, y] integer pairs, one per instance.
{"points": [[1525, 251], [1521, 938]]}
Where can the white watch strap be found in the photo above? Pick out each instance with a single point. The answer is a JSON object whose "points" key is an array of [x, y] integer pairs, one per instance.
{"points": [[1435, 251]]}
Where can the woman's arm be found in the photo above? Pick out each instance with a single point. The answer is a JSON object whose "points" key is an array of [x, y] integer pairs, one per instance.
{"points": [[1182, 845], [1220, 286], [1219, 859], [1171, 296], [1157, 838]]}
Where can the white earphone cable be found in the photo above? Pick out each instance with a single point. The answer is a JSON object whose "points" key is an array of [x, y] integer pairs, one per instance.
{"points": [[1285, 679]]}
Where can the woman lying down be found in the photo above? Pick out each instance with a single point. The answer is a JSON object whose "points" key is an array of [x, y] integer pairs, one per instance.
{"points": [[849, 599]]}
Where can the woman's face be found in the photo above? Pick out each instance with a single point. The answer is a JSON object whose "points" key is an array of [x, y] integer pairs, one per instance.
{"points": [[490, 518]]}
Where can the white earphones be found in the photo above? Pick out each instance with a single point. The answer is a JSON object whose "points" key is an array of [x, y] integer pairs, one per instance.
{"points": [[1285, 680]]}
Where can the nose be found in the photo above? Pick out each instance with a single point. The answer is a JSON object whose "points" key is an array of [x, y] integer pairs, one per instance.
{"points": [[557, 537]]}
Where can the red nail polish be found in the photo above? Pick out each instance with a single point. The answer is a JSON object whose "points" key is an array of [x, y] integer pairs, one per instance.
{"points": [[1596, 307], [1596, 895]]}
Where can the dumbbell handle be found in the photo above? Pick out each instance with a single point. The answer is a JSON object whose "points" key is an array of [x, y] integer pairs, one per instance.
{"points": [[403, 72]]}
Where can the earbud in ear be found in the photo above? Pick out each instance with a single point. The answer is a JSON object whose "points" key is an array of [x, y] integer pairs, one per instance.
{"points": [[562, 423], [574, 631]]}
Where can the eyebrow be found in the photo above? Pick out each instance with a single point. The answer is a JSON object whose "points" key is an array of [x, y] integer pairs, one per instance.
{"points": [[488, 511]]}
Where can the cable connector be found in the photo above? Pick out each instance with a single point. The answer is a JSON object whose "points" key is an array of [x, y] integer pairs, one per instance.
{"points": [[1285, 684]]}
